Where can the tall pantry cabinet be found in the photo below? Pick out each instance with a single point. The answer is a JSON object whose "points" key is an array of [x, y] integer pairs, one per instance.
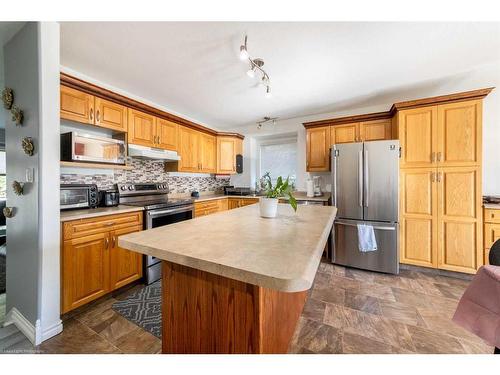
{"points": [[440, 185]]}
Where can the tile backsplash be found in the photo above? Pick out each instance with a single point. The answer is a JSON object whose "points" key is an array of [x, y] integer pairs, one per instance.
{"points": [[148, 171]]}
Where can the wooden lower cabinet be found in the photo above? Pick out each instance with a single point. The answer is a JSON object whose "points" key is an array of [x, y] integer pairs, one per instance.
{"points": [[213, 206], [418, 217], [241, 202], [85, 272], [460, 219], [440, 218], [125, 265], [92, 263], [491, 231]]}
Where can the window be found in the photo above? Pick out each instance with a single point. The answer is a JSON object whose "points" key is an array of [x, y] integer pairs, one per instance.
{"points": [[279, 158]]}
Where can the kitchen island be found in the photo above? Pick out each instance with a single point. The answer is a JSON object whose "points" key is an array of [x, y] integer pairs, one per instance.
{"points": [[234, 282]]}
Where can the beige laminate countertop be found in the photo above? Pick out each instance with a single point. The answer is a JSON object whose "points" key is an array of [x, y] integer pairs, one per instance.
{"points": [[299, 195], [96, 212], [281, 253], [492, 206]]}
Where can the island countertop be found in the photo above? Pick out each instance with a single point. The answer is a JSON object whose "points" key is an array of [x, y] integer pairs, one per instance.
{"points": [[281, 253]]}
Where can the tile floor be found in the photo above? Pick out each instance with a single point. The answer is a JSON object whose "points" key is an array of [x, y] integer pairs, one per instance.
{"points": [[348, 311], [354, 311]]}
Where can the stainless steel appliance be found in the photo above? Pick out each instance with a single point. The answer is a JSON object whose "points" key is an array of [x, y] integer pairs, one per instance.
{"points": [[317, 186], [109, 198], [365, 181], [230, 190], [78, 196], [91, 148], [159, 210]]}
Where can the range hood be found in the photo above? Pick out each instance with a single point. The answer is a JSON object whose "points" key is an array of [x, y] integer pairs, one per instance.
{"points": [[142, 152]]}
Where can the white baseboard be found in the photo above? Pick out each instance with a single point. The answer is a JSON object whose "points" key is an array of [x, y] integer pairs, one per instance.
{"points": [[51, 331], [23, 324], [35, 334]]}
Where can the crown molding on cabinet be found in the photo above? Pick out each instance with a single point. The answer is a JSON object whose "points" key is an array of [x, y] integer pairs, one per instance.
{"points": [[90, 88], [456, 97]]}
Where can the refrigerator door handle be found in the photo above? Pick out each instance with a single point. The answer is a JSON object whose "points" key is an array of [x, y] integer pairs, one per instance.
{"points": [[355, 225], [366, 181], [360, 178], [334, 167]]}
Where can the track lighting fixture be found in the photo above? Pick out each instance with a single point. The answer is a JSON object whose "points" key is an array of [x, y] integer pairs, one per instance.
{"points": [[266, 120], [255, 67]]}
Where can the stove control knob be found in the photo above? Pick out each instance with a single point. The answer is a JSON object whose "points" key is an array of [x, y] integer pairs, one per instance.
{"points": [[131, 187], [123, 188]]}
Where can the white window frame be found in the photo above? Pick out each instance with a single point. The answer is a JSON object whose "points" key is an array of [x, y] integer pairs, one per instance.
{"points": [[271, 142]]}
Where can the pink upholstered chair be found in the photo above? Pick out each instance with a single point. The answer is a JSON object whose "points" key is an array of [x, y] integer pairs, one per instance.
{"points": [[479, 308]]}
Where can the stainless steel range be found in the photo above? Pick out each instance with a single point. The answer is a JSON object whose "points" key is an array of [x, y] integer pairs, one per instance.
{"points": [[159, 210]]}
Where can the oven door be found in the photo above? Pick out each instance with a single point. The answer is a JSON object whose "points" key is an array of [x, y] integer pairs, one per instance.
{"points": [[161, 217], [158, 218]]}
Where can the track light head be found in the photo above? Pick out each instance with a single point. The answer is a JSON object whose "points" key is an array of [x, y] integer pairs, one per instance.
{"points": [[268, 92], [244, 53], [251, 72]]}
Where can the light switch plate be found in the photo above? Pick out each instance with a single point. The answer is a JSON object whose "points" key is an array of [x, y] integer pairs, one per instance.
{"points": [[29, 175]]}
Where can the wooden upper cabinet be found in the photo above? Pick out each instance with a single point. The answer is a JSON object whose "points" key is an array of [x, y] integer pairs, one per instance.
{"points": [[208, 153], [318, 149], [166, 132], [418, 136], [418, 216], [460, 219], [125, 265], [188, 148], [141, 128], [226, 155], [345, 133], [85, 274], [459, 134], [110, 115], [376, 130], [76, 105]]}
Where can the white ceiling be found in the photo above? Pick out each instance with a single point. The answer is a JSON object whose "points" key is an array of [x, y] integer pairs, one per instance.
{"points": [[194, 69]]}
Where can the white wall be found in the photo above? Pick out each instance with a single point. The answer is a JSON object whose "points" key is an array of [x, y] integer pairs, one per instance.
{"points": [[485, 76], [33, 248]]}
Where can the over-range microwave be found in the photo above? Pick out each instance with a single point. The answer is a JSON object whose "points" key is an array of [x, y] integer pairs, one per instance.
{"points": [[90, 148]]}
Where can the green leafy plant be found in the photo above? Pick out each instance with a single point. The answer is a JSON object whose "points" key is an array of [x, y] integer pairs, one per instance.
{"points": [[281, 189]]}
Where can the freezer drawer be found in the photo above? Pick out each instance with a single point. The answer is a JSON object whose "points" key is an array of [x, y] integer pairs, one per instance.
{"points": [[346, 252]]}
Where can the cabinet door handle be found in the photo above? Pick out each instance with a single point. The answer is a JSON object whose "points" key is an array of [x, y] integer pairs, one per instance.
{"points": [[439, 176], [113, 244], [158, 140], [106, 243], [433, 177], [433, 157], [439, 156], [91, 114], [98, 117]]}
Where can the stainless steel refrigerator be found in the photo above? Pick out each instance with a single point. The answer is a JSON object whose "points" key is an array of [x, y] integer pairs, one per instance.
{"points": [[365, 190]]}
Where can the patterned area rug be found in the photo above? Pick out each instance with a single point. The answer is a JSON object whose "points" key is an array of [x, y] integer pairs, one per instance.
{"points": [[143, 307]]}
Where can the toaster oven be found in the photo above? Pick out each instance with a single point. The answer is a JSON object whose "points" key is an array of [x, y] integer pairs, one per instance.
{"points": [[78, 196]]}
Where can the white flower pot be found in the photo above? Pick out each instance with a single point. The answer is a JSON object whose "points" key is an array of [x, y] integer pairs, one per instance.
{"points": [[268, 207]]}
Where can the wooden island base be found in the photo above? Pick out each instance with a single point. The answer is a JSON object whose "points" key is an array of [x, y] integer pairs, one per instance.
{"points": [[206, 313]]}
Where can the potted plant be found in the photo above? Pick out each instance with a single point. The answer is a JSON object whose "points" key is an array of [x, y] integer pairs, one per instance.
{"points": [[269, 203]]}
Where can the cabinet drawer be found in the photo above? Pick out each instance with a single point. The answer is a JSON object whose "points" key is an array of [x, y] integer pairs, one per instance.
{"points": [[206, 205], [248, 201], [491, 215], [491, 234], [85, 227]]}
